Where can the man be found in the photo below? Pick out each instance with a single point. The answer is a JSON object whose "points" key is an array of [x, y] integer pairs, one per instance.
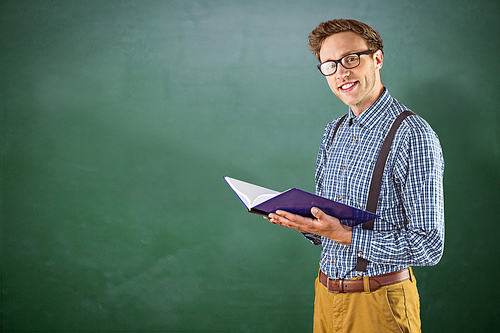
{"points": [[382, 296]]}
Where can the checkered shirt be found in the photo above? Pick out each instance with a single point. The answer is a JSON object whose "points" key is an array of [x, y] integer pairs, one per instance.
{"points": [[410, 230]]}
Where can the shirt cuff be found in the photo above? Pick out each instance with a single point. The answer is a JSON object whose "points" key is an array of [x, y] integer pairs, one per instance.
{"points": [[315, 239], [361, 242]]}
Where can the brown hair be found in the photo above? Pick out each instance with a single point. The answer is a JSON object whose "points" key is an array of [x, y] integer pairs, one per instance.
{"points": [[326, 29]]}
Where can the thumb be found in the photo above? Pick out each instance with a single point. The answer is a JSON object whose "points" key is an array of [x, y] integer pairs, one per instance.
{"points": [[317, 213]]}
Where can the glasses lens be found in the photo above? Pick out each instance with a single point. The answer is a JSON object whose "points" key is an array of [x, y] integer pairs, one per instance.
{"points": [[350, 61], [328, 68]]}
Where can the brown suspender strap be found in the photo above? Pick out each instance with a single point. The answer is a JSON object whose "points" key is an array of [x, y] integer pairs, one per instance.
{"points": [[376, 181], [336, 129]]}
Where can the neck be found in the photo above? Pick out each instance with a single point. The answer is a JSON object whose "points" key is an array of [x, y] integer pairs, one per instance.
{"points": [[360, 108]]}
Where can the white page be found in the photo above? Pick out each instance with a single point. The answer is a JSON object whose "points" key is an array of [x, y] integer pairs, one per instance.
{"points": [[250, 194]]}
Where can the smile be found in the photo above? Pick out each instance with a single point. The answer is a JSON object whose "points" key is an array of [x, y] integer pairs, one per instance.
{"points": [[348, 86]]}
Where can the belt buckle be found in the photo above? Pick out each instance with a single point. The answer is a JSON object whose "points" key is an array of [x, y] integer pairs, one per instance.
{"points": [[341, 286]]}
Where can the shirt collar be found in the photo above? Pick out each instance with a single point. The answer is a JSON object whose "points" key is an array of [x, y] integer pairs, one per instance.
{"points": [[370, 116]]}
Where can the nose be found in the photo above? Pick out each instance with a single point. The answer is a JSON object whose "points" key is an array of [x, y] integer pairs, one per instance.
{"points": [[342, 72]]}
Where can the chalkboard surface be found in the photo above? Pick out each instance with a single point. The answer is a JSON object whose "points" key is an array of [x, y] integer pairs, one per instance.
{"points": [[120, 118]]}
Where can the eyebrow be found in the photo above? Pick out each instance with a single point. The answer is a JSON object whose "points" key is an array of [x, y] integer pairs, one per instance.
{"points": [[345, 54]]}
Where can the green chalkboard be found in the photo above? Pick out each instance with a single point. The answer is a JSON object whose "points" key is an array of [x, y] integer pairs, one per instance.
{"points": [[119, 120]]}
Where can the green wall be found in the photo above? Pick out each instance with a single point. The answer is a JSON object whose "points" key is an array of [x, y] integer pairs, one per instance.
{"points": [[120, 118]]}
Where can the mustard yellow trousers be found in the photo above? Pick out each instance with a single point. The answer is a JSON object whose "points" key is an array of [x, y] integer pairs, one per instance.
{"points": [[393, 308]]}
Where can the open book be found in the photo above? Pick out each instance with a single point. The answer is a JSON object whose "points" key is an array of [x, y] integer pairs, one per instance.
{"points": [[263, 201]]}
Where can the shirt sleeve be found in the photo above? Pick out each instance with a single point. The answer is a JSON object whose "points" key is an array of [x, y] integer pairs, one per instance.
{"points": [[418, 177], [315, 239]]}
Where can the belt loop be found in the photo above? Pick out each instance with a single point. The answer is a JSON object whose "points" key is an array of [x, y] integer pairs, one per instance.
{"points": [[366, 284], [411, 274]]}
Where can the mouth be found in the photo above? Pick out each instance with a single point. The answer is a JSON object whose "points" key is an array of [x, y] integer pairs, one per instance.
{"points": [[348, 86]]}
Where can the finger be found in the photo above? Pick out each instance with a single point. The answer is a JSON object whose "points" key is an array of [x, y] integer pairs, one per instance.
{"points": [[277, 217], [280, 219], [274, 218], [289, 220], [317, 213], [269, 219], [323, 217], [288, 215]]}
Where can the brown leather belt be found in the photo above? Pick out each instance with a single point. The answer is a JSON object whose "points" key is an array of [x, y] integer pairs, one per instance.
{"points": [[352, 286]]}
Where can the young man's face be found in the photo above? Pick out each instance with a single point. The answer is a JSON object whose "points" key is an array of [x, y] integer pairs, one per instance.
{"points": [[358, 87]]}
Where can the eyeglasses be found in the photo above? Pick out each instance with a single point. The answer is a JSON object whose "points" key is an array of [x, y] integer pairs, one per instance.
{"points": [[349, 61]]}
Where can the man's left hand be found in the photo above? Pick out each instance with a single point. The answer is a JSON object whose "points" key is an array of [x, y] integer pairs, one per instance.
{"points": [[322, 225]]}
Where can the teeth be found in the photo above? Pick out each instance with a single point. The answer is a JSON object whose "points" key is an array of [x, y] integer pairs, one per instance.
{"points": [[347, 86]]}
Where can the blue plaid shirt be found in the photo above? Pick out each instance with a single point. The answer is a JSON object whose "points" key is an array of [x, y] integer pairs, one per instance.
{"points": [[410, 231]]}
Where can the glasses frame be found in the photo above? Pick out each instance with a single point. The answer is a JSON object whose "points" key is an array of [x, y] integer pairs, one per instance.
{"points": [[337, 62]]}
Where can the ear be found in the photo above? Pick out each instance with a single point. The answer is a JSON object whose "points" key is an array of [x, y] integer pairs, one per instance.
{"points": [[378, 58]]}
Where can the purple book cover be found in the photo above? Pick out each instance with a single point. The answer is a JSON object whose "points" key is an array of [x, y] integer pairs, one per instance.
{"points": [[263, 201]]}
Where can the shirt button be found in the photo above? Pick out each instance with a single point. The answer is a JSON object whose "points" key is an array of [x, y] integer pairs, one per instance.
{"points": [[331, 261], [340, 198], [354, 138], [344, 167], [360, 252]]}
